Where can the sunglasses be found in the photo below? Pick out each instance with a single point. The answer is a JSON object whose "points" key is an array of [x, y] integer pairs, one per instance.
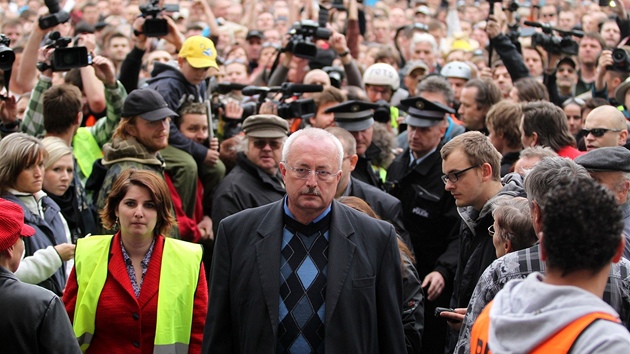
{"points": [[598, 132], [273, 144]]}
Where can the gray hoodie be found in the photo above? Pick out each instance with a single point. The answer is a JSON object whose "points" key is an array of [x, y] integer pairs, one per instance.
{"points": [[528, 311]]}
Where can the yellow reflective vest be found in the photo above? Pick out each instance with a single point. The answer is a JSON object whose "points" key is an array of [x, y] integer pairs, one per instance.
{"points": [[179, 274]]}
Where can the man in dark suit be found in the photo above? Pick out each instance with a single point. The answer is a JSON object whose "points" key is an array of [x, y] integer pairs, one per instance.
{"points": [[306, 274], [385, 206]]}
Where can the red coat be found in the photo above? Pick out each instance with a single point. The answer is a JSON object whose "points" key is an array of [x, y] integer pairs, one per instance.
{"points": [[126, 324]]}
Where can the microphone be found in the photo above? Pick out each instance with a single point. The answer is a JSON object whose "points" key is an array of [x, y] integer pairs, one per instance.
{"points": [[226, 87], [254, 90], [533, 24], [293, 88]]}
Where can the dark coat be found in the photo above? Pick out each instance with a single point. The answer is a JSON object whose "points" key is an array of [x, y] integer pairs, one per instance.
{"points": [[429, 213], [33, 319], [364, 170], [49, 231], [363, 291], [387, 207], [246, 186]]}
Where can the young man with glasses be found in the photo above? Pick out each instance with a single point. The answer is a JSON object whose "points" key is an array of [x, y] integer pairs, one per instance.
{"points": [[471, 167], [306, 274], [429, 212], [255, 180], [604, 126]]}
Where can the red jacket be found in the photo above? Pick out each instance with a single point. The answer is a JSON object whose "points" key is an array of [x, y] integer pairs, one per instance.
{"points": [[124, 323]]}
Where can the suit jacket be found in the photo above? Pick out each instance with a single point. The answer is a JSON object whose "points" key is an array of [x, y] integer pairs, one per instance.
{"points": [[124, 323], [363, 293], [387, 207]]}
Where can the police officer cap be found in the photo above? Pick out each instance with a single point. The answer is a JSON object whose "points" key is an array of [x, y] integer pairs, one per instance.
{"points": [[353, 116], [423, 113], [606, 159]]}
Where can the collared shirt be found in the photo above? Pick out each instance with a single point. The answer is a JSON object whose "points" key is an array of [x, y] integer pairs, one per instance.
{"points": [[518, 265], [132, 272], [416, 161]]}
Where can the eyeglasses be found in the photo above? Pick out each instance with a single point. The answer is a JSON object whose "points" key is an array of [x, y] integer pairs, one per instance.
{"points": [[491, 230], [383, 91], [304, 173], [454, 176], [598, 132], [273, 144]]}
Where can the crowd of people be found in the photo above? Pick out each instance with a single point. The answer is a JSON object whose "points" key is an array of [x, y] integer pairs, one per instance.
{"points": [[290, 176]]}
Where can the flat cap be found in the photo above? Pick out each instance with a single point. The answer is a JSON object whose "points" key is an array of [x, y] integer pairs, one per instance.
{"points": [[353, 116], [265, 126], [606, 159], [423, 113]]}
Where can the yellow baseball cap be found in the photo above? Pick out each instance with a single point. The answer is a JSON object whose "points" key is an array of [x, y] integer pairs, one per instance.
{"points": [[200, 52]]}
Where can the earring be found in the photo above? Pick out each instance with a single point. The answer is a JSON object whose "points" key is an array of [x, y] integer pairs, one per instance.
{"points": [[116, 222]]}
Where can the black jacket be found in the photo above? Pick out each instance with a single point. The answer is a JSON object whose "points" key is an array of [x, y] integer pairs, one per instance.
{"points": [[34, 319], [364, 170], [510, 57], [387, 207], [429, 213], [246, 186]]}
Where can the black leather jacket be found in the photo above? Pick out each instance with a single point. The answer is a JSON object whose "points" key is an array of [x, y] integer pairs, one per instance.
{"points": [[34, 319]]}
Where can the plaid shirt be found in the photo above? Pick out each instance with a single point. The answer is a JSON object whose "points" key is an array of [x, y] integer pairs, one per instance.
{"points": [[518, 265], [102, 131]]}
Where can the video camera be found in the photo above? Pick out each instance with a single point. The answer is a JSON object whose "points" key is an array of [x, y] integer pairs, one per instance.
{"points": [[301, 108], [621, 61], [382, 113], [335, 74], [64, 57], [7, 56], [55, 17], [303, 37], [552, 44], [154, 26]]}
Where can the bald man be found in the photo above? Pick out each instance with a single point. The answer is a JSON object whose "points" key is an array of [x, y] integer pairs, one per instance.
{"points": [[605, 126], [315, 77]]}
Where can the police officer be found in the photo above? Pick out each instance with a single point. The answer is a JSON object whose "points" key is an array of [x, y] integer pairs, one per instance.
{"points": [[429, 213], [358, 118]]}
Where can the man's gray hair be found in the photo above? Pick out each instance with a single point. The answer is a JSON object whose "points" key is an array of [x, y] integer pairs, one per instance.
{"points": [[422, 38], [315, 134], [437, 84], [549, 173]]}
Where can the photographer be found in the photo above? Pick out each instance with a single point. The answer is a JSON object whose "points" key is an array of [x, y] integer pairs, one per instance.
{"points": [[26, 77], [339, 44], [609, 77], [132, 64], [506, 50]]}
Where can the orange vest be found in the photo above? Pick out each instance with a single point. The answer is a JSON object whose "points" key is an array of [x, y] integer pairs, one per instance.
{"points": [[559, 342]]}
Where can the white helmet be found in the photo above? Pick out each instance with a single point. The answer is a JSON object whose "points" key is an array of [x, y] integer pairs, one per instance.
{"points": [[382, 74], [457, 69]]}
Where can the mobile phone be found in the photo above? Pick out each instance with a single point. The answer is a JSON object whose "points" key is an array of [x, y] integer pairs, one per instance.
{"points": [[439, 310], [604, 3]]}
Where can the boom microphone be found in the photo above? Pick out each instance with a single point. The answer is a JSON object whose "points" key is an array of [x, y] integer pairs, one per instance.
{"points": [[299, 88]]}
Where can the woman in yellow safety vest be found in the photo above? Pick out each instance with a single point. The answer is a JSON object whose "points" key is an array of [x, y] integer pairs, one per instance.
{"points": [[137, 291]]}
